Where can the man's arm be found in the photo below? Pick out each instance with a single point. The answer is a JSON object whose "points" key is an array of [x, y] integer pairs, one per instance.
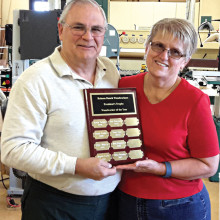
{"points": [[23, 127]]}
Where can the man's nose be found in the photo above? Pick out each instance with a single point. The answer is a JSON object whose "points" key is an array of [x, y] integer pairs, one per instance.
{"points": [[87, 34]]}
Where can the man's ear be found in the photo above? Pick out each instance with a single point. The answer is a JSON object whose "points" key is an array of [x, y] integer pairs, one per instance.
{"points": [[60, 31]]}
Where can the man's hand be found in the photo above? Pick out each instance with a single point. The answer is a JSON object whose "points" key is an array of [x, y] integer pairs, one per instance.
{"points": [[94, 168]]}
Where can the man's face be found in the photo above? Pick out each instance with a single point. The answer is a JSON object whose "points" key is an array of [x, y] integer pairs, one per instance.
{"points": [[84, 47]]}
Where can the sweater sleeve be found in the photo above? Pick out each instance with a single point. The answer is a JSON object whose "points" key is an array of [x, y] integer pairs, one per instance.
{"points": [[23, 127]]}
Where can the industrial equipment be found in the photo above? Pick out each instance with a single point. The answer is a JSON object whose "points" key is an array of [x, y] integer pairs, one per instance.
{"points": [[211, 80]]}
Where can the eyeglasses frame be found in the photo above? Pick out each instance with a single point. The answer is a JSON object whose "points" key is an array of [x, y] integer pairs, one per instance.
{"points": [[168, 52], [85, 30]]}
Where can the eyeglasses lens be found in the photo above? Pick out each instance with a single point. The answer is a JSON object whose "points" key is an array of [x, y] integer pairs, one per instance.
{"points": [[159, 48], [81, 30]]}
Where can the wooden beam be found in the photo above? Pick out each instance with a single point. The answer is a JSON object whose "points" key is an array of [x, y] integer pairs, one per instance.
{"points": [[203, 63]]}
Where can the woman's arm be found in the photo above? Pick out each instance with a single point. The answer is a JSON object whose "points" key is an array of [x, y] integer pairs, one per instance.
{"points": [[195, 168], [185, 169]]}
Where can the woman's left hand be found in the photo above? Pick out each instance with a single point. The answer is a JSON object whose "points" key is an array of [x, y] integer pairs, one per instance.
{"points": [[148, 166], [185, 169]]}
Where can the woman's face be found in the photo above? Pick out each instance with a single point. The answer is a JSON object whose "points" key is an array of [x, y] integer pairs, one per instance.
{"points": [[160, 64]]}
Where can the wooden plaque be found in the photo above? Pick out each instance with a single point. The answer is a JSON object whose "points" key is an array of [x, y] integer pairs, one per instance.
{"points": [[114, 126]]}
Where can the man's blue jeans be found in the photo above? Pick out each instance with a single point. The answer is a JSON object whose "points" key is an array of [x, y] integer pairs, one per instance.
{"points": [[196, 207]]}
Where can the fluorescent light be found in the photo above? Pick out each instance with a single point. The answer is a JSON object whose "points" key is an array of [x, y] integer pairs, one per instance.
{"points": [[41, 6]]}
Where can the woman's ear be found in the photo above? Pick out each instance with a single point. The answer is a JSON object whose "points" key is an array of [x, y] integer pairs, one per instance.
{"points": [[147, 48], [185, 62], [146, 51]]}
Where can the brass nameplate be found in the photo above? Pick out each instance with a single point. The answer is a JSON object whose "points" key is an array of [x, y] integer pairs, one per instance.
{"points": [[135, 154], [102, 145], [110, 103], [100, 134], [131, 121], [120, 144], [117, 133], [134, 143], [115, 122], [133, 132], [99, 123], [121, 155], [104, 156]]}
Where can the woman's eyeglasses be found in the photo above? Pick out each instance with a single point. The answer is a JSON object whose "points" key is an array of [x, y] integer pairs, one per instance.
{"points": [[160, 48]]}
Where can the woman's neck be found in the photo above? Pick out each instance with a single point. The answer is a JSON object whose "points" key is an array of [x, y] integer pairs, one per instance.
{"points": [[156, 90]]}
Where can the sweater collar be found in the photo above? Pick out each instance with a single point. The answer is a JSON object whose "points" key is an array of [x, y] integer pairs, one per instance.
{"points": [[62, 69]]}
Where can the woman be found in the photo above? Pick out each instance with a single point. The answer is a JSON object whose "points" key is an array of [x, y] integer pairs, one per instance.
{"points": [[179, 135]]}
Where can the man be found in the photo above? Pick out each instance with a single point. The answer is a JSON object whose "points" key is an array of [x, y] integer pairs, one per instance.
{"points": [[45, 132]]}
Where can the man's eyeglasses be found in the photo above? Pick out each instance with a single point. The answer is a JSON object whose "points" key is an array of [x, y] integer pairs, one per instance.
{"points": [[80, 30], [160, 48]]}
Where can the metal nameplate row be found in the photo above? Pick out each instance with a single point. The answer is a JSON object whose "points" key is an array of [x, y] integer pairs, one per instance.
{"points": [[120, 155], [116, 133], [115, 122], [118, 144]]}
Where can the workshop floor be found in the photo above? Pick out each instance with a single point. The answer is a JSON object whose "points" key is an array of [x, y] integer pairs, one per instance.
{"points": [[7, 212], [10, 213]]}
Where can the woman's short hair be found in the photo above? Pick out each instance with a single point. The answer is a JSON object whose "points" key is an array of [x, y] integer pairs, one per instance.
{"points": [[178, 28], [70, 4]]}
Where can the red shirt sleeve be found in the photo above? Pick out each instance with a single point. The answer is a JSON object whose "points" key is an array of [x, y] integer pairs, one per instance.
{"points": [[202, 137]]}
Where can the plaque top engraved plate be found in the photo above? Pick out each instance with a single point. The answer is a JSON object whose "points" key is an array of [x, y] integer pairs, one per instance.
{"points": [[112, 103], [114, 126]]}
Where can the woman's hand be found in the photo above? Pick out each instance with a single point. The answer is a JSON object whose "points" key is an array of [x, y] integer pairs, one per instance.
{"points": [[185, 169], [148, 166]]}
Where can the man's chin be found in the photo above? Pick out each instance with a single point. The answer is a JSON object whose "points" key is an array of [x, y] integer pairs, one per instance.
{"points": [[88, 56]]}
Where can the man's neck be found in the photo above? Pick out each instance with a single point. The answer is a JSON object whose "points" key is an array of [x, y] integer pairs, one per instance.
{"points": [[86, 72], [84, 68]]}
